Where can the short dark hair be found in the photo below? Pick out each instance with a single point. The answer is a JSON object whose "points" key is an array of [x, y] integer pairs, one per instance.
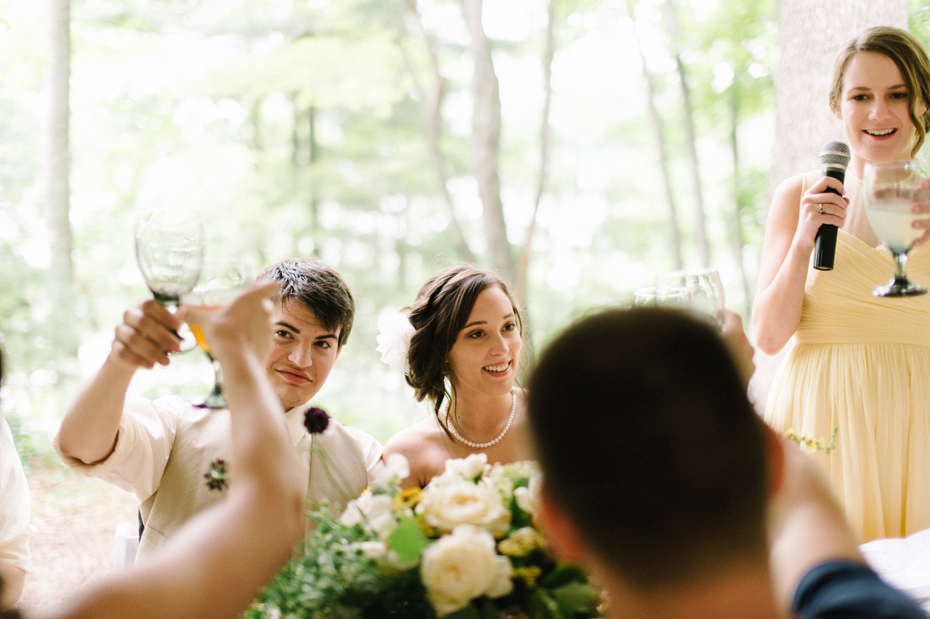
{"points": [[912, 61], [319, 287], [440, 311], [648, 443]]}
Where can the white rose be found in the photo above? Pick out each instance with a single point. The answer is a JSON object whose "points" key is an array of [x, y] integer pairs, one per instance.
{"points": [[469, 468], [372, 510], [395, 470], [461, 567], [502, 583], [352, 515], [377, 511], [446, 507], [528, 496]]}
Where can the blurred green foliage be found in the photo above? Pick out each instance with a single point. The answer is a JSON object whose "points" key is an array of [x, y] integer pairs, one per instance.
{"points": [[297, 128]]}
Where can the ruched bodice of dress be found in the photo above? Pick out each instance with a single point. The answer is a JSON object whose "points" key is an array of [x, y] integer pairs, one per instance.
{"points": [[861, 365], [839, 307]]}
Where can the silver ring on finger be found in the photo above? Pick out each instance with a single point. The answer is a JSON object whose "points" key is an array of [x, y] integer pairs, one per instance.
{"points": [[821, 209]]}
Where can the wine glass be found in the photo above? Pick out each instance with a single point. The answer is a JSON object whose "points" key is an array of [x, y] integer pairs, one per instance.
{"points": [[889, 189], [169, 251], [705, 288], [678, 298], [221, 281]]}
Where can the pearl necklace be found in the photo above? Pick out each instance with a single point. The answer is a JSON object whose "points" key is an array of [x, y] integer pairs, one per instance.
{"points": [[459, 437]]}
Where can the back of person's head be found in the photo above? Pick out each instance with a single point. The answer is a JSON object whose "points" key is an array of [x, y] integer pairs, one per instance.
{"points": [[649, 445], [317, 286], [438, 313], [912, 61]]}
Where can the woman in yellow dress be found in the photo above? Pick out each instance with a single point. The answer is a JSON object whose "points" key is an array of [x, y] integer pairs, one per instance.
{"points": [[858, 363]]}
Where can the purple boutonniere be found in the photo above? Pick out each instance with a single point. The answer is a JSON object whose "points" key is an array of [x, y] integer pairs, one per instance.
{"points": [[316, 420], [216, 475]]}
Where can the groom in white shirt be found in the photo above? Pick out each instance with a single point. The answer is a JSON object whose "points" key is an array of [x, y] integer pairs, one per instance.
{"points": [[161, 450]]}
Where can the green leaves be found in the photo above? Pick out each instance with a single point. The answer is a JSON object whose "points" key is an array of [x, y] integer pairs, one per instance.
{"points": [[575, 597], [407, 540]]}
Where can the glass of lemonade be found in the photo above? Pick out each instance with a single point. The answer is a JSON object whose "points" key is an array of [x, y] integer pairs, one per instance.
{"points": [[889, 190], [221, 281]]}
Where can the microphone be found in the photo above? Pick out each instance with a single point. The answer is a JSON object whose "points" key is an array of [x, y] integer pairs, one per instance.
{"points": [[834, 156]]}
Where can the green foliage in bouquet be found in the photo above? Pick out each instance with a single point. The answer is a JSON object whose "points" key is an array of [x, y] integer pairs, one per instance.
{"points": [[465, 547]]}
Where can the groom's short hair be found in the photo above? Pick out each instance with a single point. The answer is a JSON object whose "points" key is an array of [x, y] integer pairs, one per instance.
{"points": [[317, 286], [649, 445]]}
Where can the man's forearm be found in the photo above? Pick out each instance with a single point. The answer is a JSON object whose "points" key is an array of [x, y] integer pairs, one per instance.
{"points": [[806, 526], [89, 428]]}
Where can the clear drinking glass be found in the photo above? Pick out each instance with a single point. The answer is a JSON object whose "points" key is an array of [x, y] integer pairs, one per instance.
{"points": [[169, 251], [221, 281], [678, 298], [889, 190], [705, 288]]}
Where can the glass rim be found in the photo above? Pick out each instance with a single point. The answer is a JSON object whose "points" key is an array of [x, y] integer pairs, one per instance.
{"points": [[656, 290], [898, 163], [689, 272]]}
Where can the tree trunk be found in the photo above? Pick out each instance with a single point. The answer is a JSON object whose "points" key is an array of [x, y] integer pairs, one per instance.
{"points": [[736, 225], [524, 264], [486, 127], [803, 120], [431, 103], [671, 17], [57, 166], [295, 132], [314, 155], [255, 125], [658, 130]]}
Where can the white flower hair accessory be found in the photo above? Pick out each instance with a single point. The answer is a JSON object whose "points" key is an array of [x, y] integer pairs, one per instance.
{"points": [[394, 334]]}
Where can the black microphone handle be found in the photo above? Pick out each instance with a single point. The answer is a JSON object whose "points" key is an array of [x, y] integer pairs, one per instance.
{"points": [[825, 242]]}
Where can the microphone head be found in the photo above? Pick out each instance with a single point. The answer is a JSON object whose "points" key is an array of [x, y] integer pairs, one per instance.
{"points": [[835, 155]]}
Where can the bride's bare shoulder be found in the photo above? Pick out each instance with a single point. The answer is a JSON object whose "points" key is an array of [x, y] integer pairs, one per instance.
{"points": [[424, 430], [422, 445]]}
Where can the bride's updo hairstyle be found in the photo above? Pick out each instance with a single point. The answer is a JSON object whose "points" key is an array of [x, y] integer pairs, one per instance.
{"points": [[912, 61], [440, 311]]}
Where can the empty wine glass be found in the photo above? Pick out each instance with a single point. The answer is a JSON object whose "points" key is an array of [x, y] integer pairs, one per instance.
{"points": [[221, 281], [889, 190], [705, 288], [169, 251]]}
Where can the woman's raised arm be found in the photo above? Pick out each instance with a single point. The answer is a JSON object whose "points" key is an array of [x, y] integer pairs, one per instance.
{"points": [[790, 232]]}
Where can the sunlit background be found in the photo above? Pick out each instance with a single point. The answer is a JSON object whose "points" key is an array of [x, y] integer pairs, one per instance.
{"points": [[303, 128]]}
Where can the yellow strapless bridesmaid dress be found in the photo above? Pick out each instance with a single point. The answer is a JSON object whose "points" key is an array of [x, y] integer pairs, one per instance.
{"points": [[862, 364]]}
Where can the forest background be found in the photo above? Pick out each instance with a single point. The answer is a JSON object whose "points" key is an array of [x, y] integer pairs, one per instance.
{"points": [[580, 148]]}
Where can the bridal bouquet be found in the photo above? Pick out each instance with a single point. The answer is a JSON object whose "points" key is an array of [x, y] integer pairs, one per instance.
{"points": [[465, 547]]}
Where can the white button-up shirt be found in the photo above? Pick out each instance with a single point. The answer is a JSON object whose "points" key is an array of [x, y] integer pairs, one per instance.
{"points": [[15, 503]]}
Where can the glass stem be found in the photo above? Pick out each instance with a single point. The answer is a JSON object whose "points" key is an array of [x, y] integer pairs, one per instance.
{"points": [[218, 376], [900, 267]]}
